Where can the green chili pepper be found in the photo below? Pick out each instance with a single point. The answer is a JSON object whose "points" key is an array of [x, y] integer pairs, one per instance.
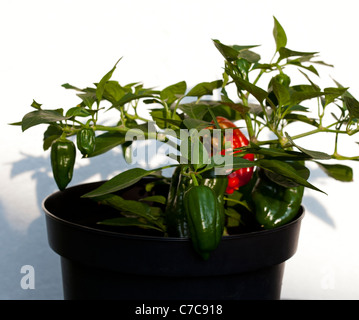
{"points": [[283, 79], [275, 205], [204, 219], [63, 155], [176, 220], [86, 141], [175, 215], [219, 185]]}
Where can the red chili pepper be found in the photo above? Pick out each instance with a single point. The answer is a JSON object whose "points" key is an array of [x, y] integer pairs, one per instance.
{"points": [[241, 176]]}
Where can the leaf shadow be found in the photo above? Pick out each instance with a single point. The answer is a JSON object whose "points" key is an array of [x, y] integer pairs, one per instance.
{"points": [[313, 205]]}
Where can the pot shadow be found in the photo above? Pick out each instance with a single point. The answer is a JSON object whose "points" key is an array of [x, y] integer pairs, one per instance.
{"points": [[18, 249]]}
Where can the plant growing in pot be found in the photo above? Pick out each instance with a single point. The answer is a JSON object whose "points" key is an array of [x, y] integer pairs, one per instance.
{"points": [[223, 225]]}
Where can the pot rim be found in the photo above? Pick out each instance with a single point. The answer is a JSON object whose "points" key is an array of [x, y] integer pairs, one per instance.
{"points": [[263, 232]]}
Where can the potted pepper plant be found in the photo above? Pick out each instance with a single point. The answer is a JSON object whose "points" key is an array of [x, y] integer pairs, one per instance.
{"points": [[223, 225]]}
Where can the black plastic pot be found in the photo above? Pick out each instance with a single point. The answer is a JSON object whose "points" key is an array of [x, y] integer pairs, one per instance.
{"points": [[101, 263]]}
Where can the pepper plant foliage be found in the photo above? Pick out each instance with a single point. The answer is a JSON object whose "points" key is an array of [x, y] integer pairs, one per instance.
{"points": [[265, 100]]}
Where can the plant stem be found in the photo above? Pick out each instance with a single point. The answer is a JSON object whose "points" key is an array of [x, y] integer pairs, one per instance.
{"points": [[111, 129], [305, 134], [340, 157], [195, 181], [258, 77]]}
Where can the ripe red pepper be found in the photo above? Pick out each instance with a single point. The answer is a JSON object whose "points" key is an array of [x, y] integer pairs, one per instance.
{"points": [[241, 176]]}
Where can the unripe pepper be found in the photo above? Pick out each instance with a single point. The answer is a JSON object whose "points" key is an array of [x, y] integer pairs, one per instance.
{"points": [[275, 205], [63, 155], [204, 219], [282, 79], [176, 219], [86, 141], [241, 176], [219, 185]]}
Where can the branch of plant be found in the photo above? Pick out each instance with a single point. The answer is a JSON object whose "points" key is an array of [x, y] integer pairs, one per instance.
{"points": [[305, 134]]}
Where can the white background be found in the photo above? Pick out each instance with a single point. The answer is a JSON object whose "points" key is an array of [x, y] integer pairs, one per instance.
{"points": [[47, 43]]}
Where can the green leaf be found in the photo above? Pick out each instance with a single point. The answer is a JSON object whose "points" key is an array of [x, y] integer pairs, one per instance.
{"points": [[199, 154], [77, 112], [352, 105], [237, 162], [41, 116], [242, 84], [172, 92], [313, 154], [114, 91], [107, 141], [284, 169], [300, 169], [159, 116], [337, 171], [19, 123], [279, 35], [275, 153], [197, 110], [158, 199], [231, 53], [298, 97], [128, 222], [302, 118], [136, 207], [101, 85], [332, 94], [227, 52], [88, 98], [310, 68], [69, 86], [234, 218], [228, 110], [128, 97], [350, 102], [204, 88], [51, 134], [315, 86], [263, 66], [191, 123], [250, 56], [120, 181], [286, 53], [281, 92], [36, 105], [194, 150]]}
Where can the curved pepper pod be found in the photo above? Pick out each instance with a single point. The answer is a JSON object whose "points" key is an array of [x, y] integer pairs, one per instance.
{"points": [[204, 219], [275, 205], [63, 155]]}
